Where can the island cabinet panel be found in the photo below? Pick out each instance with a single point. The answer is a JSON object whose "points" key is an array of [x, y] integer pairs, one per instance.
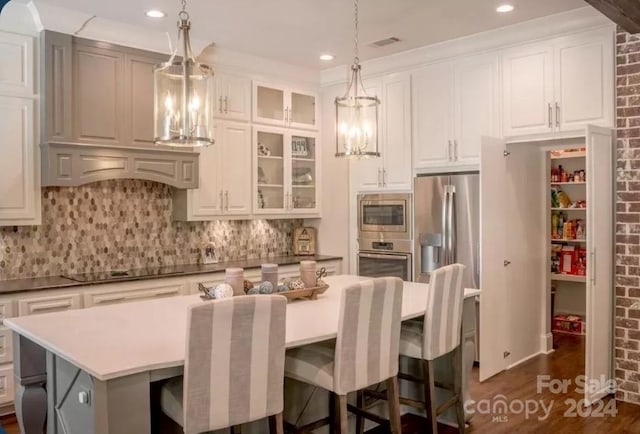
{"points": [[48, 303]]}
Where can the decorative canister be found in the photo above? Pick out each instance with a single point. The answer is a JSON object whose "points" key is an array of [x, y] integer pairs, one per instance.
{"points": [[308, 273], [270, 274], [235, 278]]}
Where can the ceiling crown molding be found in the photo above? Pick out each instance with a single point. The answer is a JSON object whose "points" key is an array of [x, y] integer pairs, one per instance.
{"points": [[541, 28]]}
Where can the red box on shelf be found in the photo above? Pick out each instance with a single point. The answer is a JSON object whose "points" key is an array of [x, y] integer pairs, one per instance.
{"points": [[572, 324]]}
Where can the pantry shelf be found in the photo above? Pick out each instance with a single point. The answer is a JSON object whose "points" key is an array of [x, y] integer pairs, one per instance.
{"points": [[568, 209], [269, 157], [568, 183], [568, 241], [580, 154], [568, 278]]}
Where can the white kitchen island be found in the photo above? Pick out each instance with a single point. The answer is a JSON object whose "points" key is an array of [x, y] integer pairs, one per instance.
{"points": [[91, 370]]}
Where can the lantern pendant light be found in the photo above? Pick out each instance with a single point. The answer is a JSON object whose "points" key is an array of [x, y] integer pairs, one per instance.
{"points": [[357, 114], [183, 92]]}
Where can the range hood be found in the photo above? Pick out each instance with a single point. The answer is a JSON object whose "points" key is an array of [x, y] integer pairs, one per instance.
{"points": [[73, 164], [97, 116]]}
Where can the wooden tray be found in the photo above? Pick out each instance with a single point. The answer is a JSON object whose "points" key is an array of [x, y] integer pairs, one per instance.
{"points": [[306, 293]]}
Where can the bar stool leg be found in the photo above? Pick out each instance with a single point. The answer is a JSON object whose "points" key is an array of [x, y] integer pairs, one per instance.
{"points": [[276, 424], [359, 419], [343, 415], [393, 399], [457, 381], [430, 395]]}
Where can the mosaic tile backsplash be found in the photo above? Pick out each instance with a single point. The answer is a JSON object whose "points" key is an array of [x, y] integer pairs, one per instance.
{"points": [[127, 224]]}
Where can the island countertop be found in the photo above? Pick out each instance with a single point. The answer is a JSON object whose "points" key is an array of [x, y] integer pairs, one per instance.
{"points": [[59, 282], [118, 340]]}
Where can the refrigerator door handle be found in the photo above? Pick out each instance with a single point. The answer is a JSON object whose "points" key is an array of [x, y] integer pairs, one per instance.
{"points": [[445, 232], [453, 241]]}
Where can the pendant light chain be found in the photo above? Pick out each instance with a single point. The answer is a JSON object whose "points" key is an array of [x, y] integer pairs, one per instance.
{"points": [[356, 60]]}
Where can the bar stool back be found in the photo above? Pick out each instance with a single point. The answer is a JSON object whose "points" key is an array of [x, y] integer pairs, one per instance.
{"points": [[364, 354], [439, 334], [234, 367]]}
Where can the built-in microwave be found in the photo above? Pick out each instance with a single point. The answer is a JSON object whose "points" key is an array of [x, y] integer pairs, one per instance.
{"points": [[384, 216]]}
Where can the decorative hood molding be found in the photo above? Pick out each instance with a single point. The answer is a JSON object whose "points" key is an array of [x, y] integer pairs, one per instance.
{"points": [[72, 164]]}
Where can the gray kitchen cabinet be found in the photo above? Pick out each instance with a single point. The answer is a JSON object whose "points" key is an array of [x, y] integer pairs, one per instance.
{"points": [[139, 96], [56, 60], [96, 92]]}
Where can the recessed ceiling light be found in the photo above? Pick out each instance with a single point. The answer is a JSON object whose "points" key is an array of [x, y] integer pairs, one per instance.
{"points": [[504, 8], [326, 57], [155, 13]]}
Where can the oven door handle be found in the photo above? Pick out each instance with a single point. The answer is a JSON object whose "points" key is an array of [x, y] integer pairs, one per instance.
{"points": [[391, 257]]}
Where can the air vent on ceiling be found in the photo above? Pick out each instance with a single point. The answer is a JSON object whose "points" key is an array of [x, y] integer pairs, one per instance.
{"points": [[385, 42]]}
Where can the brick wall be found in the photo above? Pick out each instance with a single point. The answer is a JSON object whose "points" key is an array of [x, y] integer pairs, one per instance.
{"points": [[627, 333]]}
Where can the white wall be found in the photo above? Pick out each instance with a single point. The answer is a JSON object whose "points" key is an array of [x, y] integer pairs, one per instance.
{"points": [[333, 228]]}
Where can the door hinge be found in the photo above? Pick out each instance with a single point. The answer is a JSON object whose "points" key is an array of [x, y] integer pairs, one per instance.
{"points": [[506, 153], [506, 263], [506, 354]]}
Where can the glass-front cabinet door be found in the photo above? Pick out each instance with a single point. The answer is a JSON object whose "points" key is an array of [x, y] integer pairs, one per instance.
{"points": [[284, 107], [287, 169], [302, 112], [269, 154], [303, 173]]}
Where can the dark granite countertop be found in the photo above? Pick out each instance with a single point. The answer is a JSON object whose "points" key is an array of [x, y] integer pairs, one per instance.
{"points": [[59, 282]]}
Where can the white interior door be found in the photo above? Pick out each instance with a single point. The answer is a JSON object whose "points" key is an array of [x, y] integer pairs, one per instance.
{"points": [[493, 242], [525, 196], [599, 346]]}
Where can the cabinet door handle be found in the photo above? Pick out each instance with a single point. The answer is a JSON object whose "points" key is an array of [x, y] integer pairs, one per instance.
{"points": [[449, 151], [226, 200], [220, 104], [226, 104], [550, 109], [221, 200], [455, 150], [379, 177], [286, 115], [384, 177], [557, 115]]}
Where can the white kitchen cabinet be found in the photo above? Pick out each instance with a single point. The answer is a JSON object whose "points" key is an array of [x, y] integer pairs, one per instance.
{"points": [[225, 182], [454, 105], [16, 65], [51, 302], [7, 385], [134, 291], [392, 171], [20, 164], [6, 345], [559, 85], [233, 97], [284, 106], [433, 115], [287, 178]]}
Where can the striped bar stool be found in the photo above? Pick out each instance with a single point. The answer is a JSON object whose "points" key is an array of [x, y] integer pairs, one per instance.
{"points": [[438, 334], [364, 354], [234, 367]]}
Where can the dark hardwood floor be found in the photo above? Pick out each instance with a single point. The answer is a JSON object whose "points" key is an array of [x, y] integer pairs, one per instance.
{"points": [[519, 383]]}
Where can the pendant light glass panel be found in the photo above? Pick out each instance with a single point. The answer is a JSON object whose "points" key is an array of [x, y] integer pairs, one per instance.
{"points": [[183, 97]]}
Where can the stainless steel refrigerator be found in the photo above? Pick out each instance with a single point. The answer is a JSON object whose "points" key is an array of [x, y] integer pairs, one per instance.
{"points": [[447, 224]]}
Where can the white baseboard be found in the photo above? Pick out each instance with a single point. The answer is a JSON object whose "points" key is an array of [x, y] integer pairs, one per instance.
{"points": [[519, 362], [546, 343]]}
